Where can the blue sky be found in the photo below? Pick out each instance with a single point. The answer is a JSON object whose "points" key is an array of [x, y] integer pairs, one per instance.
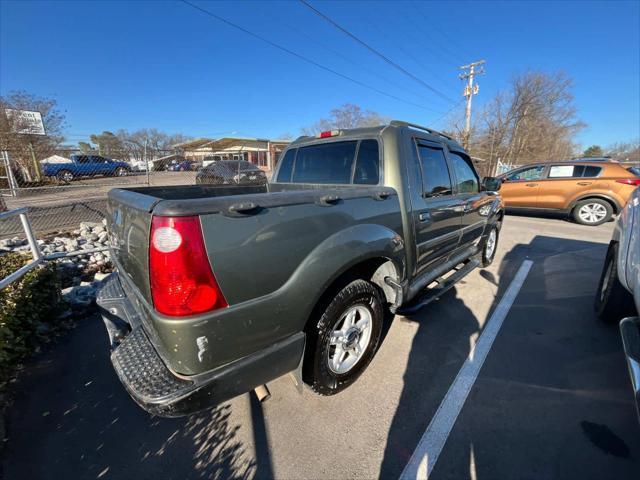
{"points": [[117, 64]]}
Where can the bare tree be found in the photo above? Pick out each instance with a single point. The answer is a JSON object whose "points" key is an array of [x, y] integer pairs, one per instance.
{"points": [[533, 120], [625, 151], [24, 148], [346, 116]]}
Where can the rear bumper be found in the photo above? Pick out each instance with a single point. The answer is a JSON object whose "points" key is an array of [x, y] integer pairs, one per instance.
{"points": [[630, 331], [162, 392]]}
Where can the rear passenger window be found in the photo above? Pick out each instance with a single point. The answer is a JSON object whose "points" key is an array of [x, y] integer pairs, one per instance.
{"points": [[559, 171], [436, 180], [325, 163], [465, 174], [368, 163], [286, 166], [590, 171]]}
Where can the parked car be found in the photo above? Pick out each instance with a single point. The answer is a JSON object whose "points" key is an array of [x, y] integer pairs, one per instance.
{"points": [[591, 192], [86, 166], [619, 288], [219, 290], [231, 172], [183, 166]]}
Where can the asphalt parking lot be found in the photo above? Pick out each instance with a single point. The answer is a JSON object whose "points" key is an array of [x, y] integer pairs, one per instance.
{"points": [[552, 399]]}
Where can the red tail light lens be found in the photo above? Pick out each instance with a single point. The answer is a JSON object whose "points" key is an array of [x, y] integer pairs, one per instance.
{"points": [[630, 181], [182, 282]]}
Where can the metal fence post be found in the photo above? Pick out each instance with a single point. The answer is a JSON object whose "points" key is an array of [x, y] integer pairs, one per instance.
{"points": [[11, 180], [35, 248]]}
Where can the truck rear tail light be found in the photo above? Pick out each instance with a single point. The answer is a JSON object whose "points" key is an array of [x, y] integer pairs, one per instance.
{"points": [[328, 133], [629, 181], [181, 279]]}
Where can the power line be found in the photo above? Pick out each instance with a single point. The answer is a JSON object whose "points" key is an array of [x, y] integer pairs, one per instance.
{"points": [[302, 57], [376, 52]]}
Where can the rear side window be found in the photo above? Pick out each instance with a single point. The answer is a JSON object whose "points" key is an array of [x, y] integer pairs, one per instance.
{"points": [[286, 165], [560, 171], [465, 174], [436, 180], [325, 163], [590, 171], [367, 170]]}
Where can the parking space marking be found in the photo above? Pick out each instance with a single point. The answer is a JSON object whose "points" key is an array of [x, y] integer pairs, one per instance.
{"points": [[426, 454]]}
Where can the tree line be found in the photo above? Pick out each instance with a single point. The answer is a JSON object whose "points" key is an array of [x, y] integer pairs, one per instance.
{"points": [[533, 119]]}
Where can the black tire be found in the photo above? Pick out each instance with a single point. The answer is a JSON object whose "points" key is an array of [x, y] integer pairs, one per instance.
{"points": [[121, 172], [64, 176], [316, 370], [613, 302], [599, 204], [489, 254]]}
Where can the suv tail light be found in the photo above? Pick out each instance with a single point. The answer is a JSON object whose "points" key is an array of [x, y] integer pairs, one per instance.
{"points": [[629, 181], [181, 279]]}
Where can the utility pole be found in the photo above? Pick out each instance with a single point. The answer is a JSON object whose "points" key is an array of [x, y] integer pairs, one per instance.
{"points": [[469, 91]]}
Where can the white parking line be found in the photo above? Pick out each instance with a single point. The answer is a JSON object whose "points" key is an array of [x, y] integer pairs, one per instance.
{"points": [[435, 436]]}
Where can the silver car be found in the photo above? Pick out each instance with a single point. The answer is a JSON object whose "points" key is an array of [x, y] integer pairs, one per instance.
{"points": [[618, 296]]}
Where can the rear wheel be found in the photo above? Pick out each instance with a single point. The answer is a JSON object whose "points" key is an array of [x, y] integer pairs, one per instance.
{"points": [[613, 302], [592, 211], [344, 339], [64, 176]]}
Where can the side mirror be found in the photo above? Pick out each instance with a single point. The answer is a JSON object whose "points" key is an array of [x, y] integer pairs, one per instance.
{"points": [[491, 184]]}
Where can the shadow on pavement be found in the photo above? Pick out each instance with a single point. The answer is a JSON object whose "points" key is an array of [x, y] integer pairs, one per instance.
{"points": [[559, 290], [73, 419]]}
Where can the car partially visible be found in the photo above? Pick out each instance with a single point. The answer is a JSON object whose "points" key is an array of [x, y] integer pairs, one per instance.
{"points": [[231, 172], [183, 166], [618, 296], [591, 192]]}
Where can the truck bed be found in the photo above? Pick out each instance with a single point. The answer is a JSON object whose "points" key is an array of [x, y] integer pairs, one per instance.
{"points": [[260, 241]]}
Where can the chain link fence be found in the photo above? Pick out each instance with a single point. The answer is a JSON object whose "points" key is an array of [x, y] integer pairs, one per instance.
{"points": [[70, 186]]}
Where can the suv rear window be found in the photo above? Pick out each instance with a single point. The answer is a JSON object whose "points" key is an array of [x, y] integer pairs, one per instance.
{"points": [[333, 163]]}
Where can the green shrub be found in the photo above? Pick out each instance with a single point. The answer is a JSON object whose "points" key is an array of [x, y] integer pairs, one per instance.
{"points": [[28, 307]]}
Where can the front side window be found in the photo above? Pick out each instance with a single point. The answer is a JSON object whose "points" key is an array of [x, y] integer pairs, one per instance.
{"points": [[325, 163], [436, 180], [465, 174], [531, 173]]}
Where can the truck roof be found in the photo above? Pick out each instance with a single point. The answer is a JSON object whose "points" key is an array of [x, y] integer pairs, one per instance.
{"points": [[375, 130]]}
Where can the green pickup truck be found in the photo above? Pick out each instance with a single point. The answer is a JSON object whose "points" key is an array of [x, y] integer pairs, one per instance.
{"points": [[219, 289]]}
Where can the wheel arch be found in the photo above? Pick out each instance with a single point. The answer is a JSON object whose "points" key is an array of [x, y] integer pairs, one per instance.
{"points": [[600, 196]]}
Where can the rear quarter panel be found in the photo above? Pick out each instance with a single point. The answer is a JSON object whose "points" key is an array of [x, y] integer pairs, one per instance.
{"points": [[272, 268]]}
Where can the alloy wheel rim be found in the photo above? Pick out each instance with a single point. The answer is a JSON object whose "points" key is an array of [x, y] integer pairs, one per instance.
{"points": [[592, 212], [491, 243], [350, 339]]}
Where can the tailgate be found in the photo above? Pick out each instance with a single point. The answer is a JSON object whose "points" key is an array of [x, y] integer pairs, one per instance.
{"points": [[128, 224]]}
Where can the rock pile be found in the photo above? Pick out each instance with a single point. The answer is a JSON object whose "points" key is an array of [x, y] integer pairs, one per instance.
{"points": [[81, 273]]}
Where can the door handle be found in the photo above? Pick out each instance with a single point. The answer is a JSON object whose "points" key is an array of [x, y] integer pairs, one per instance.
{"points": [[584, 183], [424, 217], [531, 184]]}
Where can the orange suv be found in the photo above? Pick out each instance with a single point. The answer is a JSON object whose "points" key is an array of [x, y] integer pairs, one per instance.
{"points": [[590, 191]]}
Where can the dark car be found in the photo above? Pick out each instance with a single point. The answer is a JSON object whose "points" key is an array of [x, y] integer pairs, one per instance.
{"points": [[231, 172], [183, 166]]}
